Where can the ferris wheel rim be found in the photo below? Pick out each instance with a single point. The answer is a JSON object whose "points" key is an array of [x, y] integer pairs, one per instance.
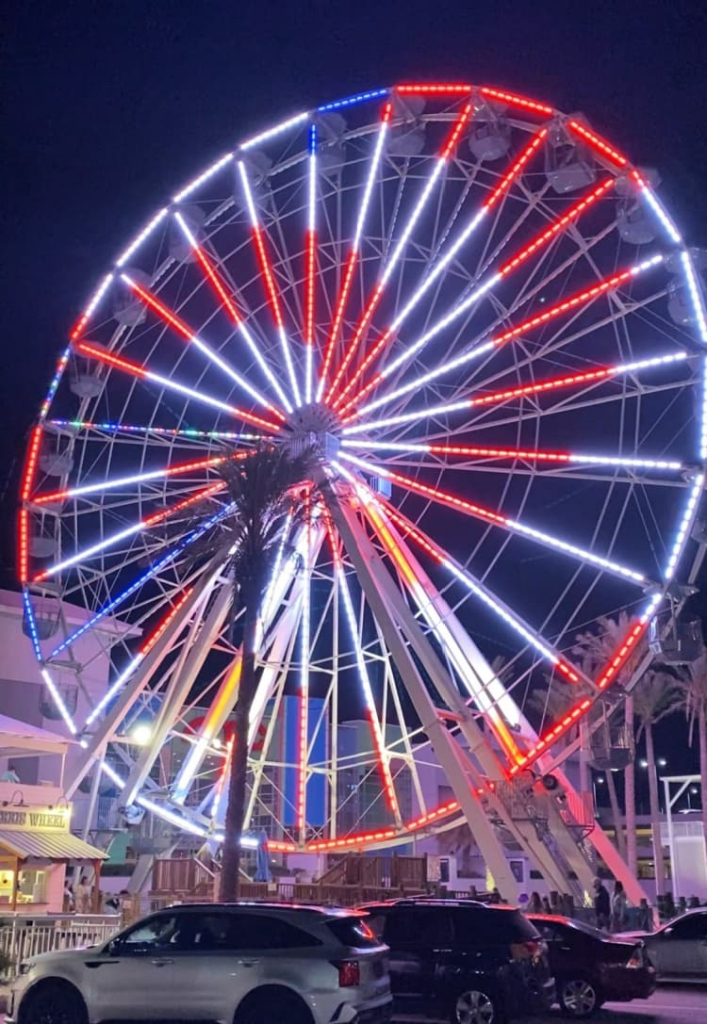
{"points": [[272, 426]]}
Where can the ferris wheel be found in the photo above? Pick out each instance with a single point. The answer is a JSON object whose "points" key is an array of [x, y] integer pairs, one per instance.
{"points": [[492, 331]]}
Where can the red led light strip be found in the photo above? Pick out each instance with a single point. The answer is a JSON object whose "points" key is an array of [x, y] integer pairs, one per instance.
{"points": [[426, 87], [365, 838], [310, 275], [598, 144], [496, 453], [557, 226], [562, 307], [515, 170], [182, 467], [516, 101], [266, 270], [372, 305], [160, 629], [140, 371], [572, 717], [27, 483], [217, 285]]}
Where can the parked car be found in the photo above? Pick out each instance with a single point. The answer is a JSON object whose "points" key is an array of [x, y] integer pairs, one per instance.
{"points": [[678, 950], [469, 963], [592, 967], [225, 963]]}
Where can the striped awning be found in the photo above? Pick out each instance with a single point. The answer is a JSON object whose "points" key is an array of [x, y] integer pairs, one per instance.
{"points": [[48, 846]]}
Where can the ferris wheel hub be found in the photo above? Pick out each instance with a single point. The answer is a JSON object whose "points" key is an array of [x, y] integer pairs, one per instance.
{"points": [[314, 426]]}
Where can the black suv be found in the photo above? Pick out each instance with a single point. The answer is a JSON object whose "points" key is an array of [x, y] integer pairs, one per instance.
{"points": [[470, 963]]}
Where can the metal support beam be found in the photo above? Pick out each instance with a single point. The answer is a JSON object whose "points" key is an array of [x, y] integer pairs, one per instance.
{"points": [[129, 696], [377, 586]]}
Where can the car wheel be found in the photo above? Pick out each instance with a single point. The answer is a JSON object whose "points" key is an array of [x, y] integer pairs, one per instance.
{"points": [[273, 1004], [578, 997], [53, 1004], [476, 1006]]}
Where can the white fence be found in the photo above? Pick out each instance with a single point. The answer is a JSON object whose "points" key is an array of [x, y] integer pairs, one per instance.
{"points": [[23, 937]]}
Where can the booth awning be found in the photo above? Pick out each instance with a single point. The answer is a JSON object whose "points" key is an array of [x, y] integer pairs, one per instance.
{"points": [[48, 846]]}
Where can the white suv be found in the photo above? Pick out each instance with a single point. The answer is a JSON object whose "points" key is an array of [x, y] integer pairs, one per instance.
{"points": [[225, 963]]}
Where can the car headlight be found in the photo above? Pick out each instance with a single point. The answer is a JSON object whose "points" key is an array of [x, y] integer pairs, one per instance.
{"points": [[26, 966]]}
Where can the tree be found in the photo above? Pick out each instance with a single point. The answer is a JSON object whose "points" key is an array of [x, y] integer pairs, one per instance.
{"points": [[260, 489], [656, 696], [693, 687]]}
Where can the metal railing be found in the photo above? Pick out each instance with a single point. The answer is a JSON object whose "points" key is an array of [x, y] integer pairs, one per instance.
{"points": [[23, 937]]}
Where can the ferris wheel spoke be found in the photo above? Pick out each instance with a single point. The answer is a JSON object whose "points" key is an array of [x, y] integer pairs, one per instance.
{"points": [[375, 725], [143, 373], [310, 264], [440, 164], [484, 348], [145, 648], [354, 252], [220, 289], [490, 599], [497, 519], [588, 378], [169, 317], [305, 653], [535, 246], [149, 522], [140, 430], [539, 456], [99, 486], [266, 271], [437, 270], [151, 573]]}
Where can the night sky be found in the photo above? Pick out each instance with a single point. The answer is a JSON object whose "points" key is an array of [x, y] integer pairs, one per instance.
{"points": [[110, 105]]}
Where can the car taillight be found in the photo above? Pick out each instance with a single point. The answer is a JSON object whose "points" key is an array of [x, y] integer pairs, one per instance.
{"points": [[528, 950], [637, 958], [349, 972]]}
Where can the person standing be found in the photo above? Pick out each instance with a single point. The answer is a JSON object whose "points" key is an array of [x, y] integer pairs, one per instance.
{"points": [[83, 896], [535, 904], [619, 907], [602, 904]]}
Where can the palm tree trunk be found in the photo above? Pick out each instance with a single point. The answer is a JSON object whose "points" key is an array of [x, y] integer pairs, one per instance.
{"points": [[702, 738], [231, 858], [630, 791], [616, 814], [655, 813]]}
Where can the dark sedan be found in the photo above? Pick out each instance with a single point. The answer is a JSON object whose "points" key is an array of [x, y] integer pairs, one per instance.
{"points": [[678, 950], [591, 967]]}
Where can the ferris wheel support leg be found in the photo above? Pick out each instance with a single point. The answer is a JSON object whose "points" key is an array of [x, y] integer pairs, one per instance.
{"points": [[132, 691], [521, 828], [571, 859], [377, 586], [201, 637]]}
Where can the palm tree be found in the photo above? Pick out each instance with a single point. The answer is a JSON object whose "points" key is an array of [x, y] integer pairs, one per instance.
{"points": [[260, 490], [693, 686], [656, 696]]}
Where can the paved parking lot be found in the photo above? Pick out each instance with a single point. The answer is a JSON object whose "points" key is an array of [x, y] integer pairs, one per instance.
{"points": [[674, 1004]]}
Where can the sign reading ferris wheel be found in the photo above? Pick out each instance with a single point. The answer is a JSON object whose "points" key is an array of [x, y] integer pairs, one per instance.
{"points": [[483, 317]]}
